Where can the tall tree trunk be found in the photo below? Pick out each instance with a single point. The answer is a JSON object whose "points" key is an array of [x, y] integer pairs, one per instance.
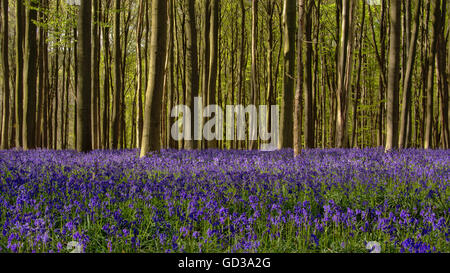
{"points": [[170, 74], [430, 77], [270, 43], [407, 81], [287, 103], [344, 73], [19, 44], [254, 75], [393, 75], [441, 59], [381, 58], [84, 139], [40, 101], [30, 78], [213, 60], [95, 75], [299, 89], [358, 80], [152, 117], [242, 66], [139, 108], [206, 54], [192, 79], [308, 84], [106, 81], [115, 130], [5, 65], [123, 126]]}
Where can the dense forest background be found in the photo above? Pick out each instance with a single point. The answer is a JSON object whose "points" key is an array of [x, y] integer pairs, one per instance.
{"points": [[104, 74]]}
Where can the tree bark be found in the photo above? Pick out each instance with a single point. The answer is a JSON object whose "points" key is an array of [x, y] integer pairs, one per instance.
{"points": [[308, 84], [407, 81], [19, 44], [30, 78], [344, 73], [116, 112], [192, 79], [84, 140], [213, 60], [441, 58], [299, 89], [393, 75], [139, 112], [151, 133], [95, 99], [287, 103], [428, 143], [6, 91]]}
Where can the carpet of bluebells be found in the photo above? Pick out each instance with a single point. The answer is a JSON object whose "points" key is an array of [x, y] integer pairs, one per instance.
{"points": [[225, 201]]}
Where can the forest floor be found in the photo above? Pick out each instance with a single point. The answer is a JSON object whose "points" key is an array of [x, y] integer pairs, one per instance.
{"points": [[225, 201]]}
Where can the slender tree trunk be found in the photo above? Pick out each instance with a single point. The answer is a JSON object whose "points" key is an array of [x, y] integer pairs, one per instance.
{"points": [[5, 66], [308, 84], [298, 92], [407, 81], [381, 58], [41, 73], [344, 73], [270, 43], [430, 78], [139, 112], [151, 134], [84, 139], [358, 81], [213, 60], [19, 46], [106, 81], [95, 75], [441, 58], [393, 75], [206, 55], [192, 79], [254, 74], [287, 103], [170, 75], [115, 130], [242, 64], [30, 78]]}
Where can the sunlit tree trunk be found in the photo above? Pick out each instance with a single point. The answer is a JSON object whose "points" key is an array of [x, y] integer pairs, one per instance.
{"points": [[5, 68], [393, 86], [151, 137], [344, 73]]}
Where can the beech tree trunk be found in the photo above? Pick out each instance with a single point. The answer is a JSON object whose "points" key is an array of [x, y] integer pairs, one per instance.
{"points": [[392, 109], [287, 103], [5, 66], [407, 81], [30, 78], [151, 137], [84, 140], [299, 88]]}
